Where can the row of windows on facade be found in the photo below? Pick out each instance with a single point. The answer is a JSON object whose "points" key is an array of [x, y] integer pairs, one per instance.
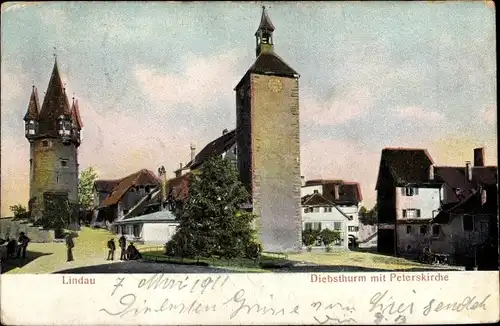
{"points": [[134, 230], [336, 226], [325, 209], [467, 224], [411, 213], [424, 230]]}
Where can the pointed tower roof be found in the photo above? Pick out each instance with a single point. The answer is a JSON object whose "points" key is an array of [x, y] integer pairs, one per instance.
{"points": [[33, 106], [55, 104], [75, 114], [265, 22]]}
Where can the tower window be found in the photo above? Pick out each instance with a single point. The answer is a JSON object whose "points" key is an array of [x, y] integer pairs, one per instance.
{"points": [[64, 163]]}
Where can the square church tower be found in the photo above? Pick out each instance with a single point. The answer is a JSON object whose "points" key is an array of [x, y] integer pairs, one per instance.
{"points": [[268, 142]]}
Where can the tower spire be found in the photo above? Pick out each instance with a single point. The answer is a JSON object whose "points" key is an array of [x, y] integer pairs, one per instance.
{"points": [[264, 34]]}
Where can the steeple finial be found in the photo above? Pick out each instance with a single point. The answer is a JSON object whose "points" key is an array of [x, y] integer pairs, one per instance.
{"points": [[55, 54], [264, 34]]}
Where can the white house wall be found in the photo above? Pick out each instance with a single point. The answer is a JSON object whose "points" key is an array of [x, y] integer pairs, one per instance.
{"points": [[158, 233], [427, 200], [327, 220]]}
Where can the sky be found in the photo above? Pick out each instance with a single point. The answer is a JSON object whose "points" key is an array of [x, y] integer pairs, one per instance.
{"points": [[151, 78]]}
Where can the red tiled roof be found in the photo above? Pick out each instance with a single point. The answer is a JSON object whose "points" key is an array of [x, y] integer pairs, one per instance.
{"points": [[143, 177], [75, 115], [215, 147], [178, 188], [106, 185], [349, 192]]}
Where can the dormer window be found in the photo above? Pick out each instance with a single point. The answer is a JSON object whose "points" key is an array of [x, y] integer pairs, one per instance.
{"points": [[64, 127], [30, 128]]}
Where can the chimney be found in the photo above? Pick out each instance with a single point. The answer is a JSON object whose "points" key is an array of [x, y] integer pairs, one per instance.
{"points": [[193, 151], [431, 172], [163, 176], [178, 173], [336, 192], [468, 170], [225, 131], [302, 180], [479, 156]]}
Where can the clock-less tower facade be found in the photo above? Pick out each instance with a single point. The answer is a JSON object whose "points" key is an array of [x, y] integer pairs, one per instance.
{"points": [[268, 142], [54, 133]]}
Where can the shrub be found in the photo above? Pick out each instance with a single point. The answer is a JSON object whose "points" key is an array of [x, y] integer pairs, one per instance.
{"points": [[328, 248], [254, 250], [329, 236], [309, 237], [19, 211]]}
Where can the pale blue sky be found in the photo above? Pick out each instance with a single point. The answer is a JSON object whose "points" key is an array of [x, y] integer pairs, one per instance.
{"points": [[153, 77]]}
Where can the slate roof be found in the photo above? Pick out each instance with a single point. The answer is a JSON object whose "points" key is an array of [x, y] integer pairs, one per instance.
{"points": [[269, 63], [215, 147], [349, 192], [316, 199], [33, 106], [265, 22], [143, 177], [454, 177], [406, 165], [471, 205], [55, 103], [156, 217]]}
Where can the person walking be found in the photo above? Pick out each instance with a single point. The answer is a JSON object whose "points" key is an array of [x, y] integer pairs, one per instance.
{"points": [[69, 245], [123, 247], [112, 248], [22, 245]]}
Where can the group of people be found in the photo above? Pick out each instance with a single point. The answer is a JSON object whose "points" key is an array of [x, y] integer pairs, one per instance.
{"points": [[126, 253], [17, 248]]}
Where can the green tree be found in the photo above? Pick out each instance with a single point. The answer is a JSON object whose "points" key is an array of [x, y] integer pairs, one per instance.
{"points": [[211, 221], [57, 214], [19, 211], [368, 217], [86, 188]]}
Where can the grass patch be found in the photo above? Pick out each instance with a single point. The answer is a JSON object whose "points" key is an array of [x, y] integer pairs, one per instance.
{"points": [[90, 249], [240, 264], [353, 258]]}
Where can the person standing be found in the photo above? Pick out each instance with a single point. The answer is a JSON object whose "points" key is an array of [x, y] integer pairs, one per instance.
{"points": [[22, 245], [112, 248], [69, 245], [123, 247]]}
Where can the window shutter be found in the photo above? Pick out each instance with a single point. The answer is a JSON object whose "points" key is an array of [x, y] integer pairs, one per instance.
{"points": [[416, 191], [404, 212], [418, 212]]}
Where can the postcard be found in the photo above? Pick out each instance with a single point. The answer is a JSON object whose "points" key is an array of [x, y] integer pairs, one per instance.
{"points": [[260, 163]]}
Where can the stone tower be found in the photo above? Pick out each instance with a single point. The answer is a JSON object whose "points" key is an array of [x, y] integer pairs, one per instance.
{"points": [[53, 131], [268, 142]]}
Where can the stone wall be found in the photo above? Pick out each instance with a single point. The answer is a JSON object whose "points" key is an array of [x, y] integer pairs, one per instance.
{"points": [[10, 228], [275, 157], [47, 173]]}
